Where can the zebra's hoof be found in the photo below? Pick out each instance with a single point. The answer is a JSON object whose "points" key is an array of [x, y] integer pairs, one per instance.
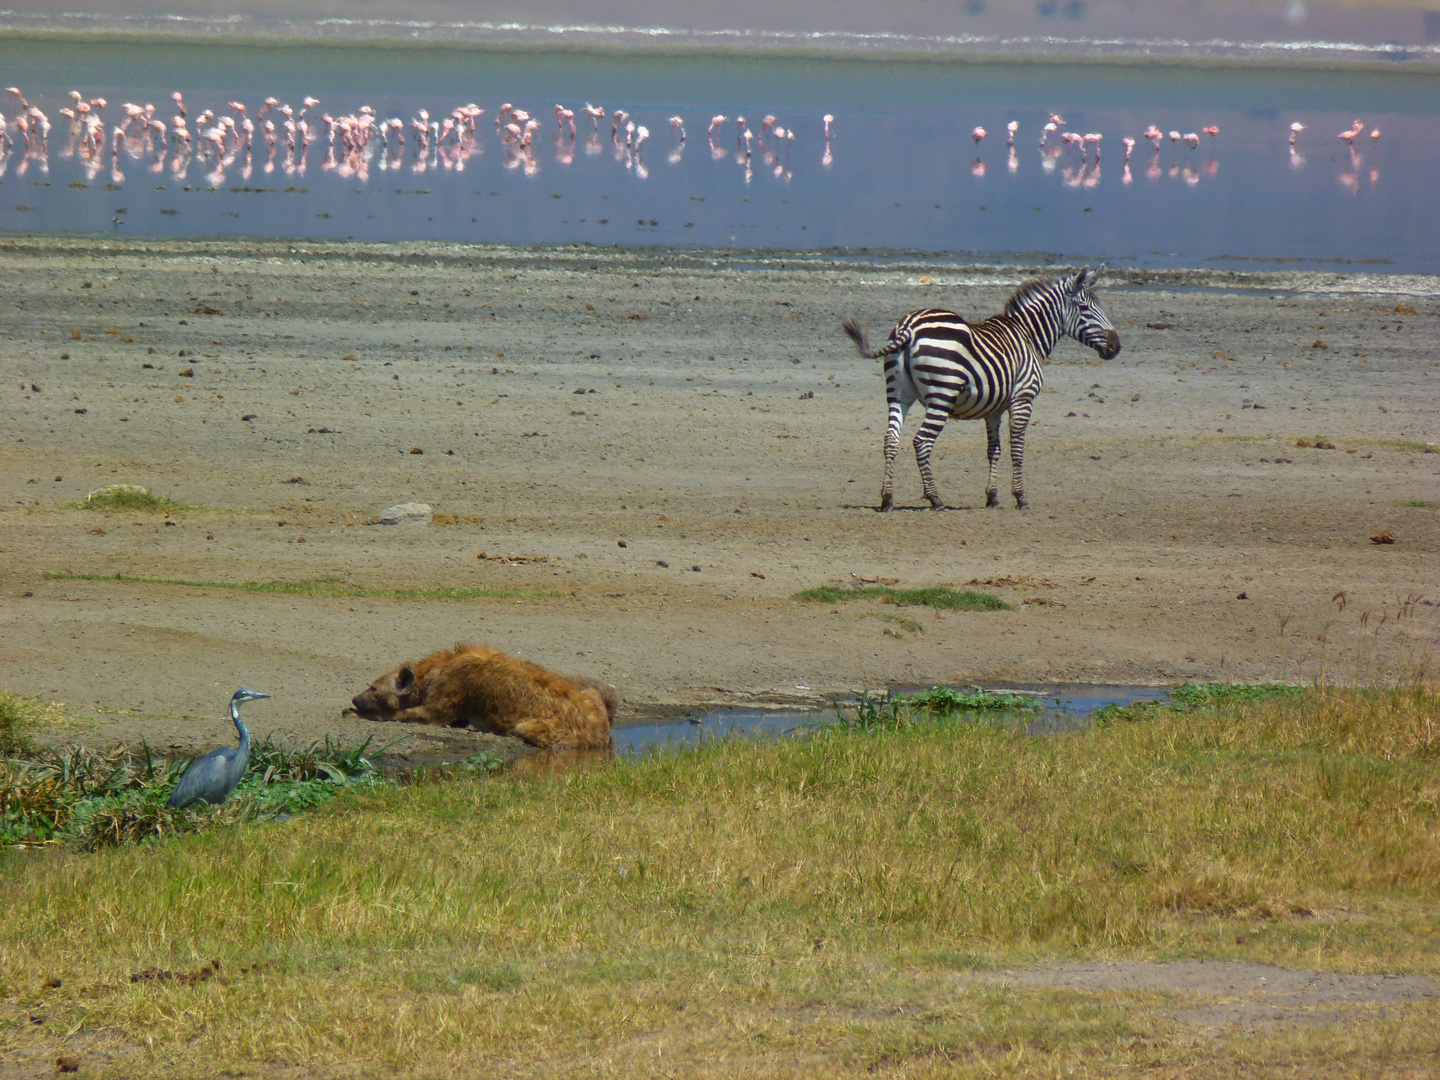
{"points": [[886, 505], [1021, 504], [992, 501], [937, 504]]}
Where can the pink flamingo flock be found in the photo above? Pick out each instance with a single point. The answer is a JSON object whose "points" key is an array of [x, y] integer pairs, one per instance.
{"points": [[280, 136]]}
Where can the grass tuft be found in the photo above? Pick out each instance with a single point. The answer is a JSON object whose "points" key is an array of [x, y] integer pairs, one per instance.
{"points": [[132, 498], [890, 711], [17, 716], [1194, 696], [940, 597]]}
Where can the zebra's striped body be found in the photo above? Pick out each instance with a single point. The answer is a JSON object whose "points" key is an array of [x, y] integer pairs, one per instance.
{"points": [[981, 371]]}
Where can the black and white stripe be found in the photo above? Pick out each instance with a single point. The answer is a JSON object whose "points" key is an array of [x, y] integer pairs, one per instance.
{"points": [[980, 371]]}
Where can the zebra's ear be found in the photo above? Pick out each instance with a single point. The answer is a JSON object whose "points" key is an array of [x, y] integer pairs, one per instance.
{"points": [[1090, 278], [1078, 282]]}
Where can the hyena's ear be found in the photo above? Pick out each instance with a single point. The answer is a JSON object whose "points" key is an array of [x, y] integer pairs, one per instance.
{"points": [[405, 680]]}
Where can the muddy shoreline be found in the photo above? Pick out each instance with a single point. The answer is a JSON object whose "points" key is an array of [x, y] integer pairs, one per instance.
{"points": [[592, 426]]}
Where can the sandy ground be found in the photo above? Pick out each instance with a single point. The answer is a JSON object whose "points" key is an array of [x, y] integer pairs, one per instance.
{"points": [[675, 445]]}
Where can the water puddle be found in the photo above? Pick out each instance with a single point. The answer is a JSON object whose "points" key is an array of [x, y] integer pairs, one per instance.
{"points": [[1057, 710], [1061, 709]]}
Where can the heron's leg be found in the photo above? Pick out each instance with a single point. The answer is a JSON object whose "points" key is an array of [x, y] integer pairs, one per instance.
{"points": [[936, 413], [1019, 421], [992, 455]]}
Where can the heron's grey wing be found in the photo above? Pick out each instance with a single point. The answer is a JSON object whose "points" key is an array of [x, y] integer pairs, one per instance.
{"points": [[207, 780]]}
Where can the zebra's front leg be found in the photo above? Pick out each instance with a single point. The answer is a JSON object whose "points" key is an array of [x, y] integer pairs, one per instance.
{"points": [[992, 455], [1019, 421], [924, 441]]}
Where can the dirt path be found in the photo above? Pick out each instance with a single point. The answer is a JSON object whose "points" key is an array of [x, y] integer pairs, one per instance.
{"points": [[673, 446]]}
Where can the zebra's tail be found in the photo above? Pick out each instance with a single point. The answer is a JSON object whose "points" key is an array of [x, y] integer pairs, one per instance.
{"points": [[862, 341]]}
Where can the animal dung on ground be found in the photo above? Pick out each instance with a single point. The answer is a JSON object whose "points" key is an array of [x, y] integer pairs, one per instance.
{"points": [[186, 978], [1384, 536], [478, 687]]}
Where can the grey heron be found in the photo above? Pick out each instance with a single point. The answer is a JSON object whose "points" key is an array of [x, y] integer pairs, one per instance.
{"points": [[213, 777]]}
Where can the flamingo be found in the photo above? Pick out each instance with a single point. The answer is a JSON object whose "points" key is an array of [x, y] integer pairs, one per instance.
{"points": [[1349, 137], [677, 128], [717, 121], [978, 134], [829, 121], [1129, 145], [564, 116], [1295, 130], [1012, 127]]}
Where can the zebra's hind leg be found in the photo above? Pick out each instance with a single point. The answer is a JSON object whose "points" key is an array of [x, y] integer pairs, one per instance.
{"points": [[896, 421], [992, 455], [924, 441], [892, 447]]}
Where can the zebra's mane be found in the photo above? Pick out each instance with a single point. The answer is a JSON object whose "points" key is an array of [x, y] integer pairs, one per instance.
{"points": [[1028, 291]]}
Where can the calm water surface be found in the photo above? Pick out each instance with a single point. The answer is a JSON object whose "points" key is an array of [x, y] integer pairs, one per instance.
{"points": [[1062, 709], [901, 172]]}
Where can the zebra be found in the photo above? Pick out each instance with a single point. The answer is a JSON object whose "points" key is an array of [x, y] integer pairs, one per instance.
{"points": [[982, 370]]}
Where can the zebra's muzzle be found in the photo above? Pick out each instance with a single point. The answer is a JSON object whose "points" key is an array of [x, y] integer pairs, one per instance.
{"points": [[1112, 346]]}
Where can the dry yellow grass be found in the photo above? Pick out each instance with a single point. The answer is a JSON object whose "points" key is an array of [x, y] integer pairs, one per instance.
{"points": [[812, 907]]}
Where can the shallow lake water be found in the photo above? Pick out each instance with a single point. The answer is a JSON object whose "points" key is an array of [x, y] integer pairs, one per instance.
{"points": [[1060, 709], [901, 171]]}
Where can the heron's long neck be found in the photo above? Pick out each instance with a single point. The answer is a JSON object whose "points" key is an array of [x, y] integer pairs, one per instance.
{"points": [[240, 727]]}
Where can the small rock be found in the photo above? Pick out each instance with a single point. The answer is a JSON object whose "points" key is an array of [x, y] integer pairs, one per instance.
{"points": [[1384, 536], [67, 1063], [411, 513], [621, 543], [662, 564], [1242, 596]]}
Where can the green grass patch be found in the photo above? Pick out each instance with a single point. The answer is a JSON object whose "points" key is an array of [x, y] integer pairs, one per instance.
{"points": [[1195, 696], [132, 498], [1419, 504], [940, 597], [88, 799], [888, 711], [322, 587], [824, 906]]}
